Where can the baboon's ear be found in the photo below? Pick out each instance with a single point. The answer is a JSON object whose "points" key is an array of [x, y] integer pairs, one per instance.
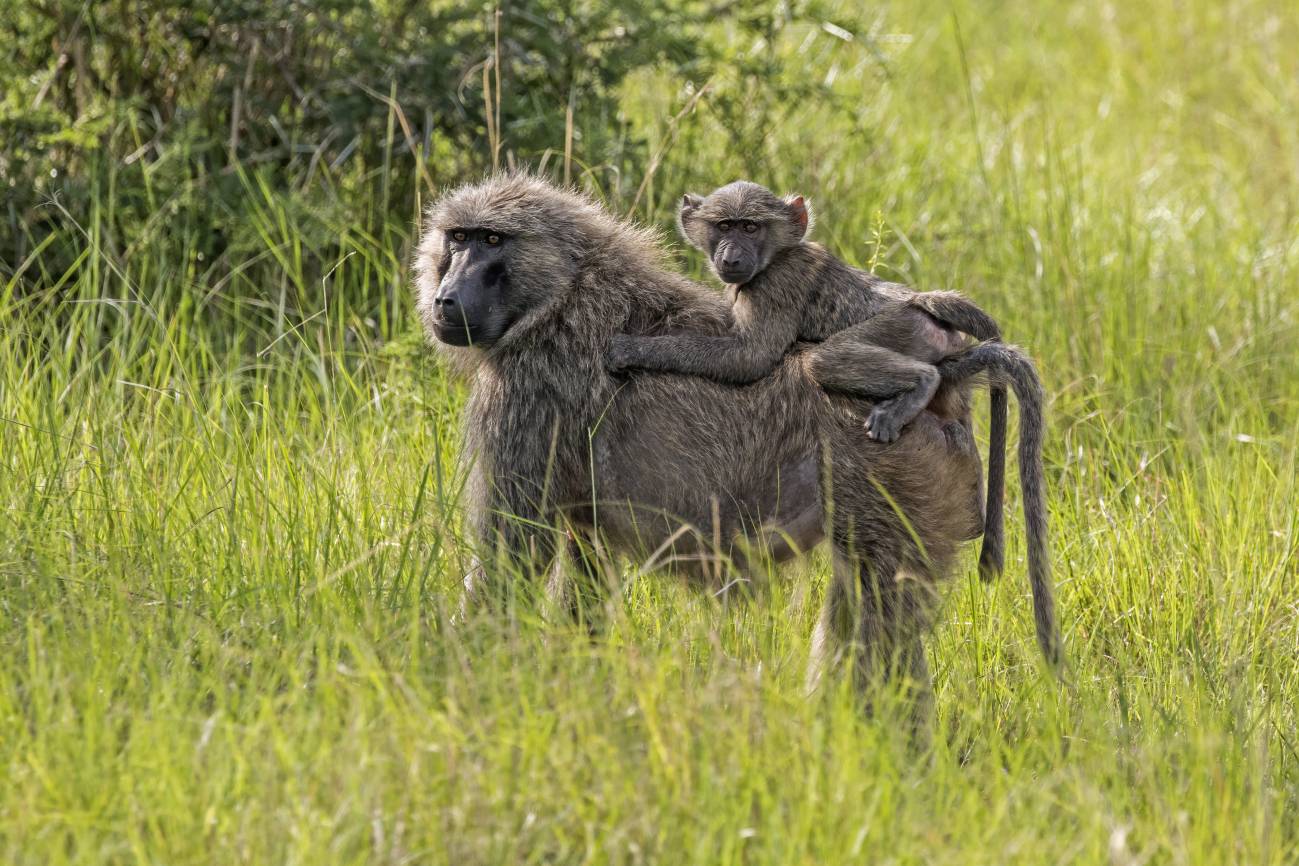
{"points": [[686, 219], [798, 213]]}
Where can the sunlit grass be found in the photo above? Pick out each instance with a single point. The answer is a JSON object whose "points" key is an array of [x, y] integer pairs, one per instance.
{"points": [[229, 548]]}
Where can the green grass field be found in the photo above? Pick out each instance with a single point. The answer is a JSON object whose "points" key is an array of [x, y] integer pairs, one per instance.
{"points": [[229, 535]]}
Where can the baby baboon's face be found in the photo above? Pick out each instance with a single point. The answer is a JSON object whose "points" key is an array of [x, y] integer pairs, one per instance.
{"points": [[737, 249], [741, 226]]}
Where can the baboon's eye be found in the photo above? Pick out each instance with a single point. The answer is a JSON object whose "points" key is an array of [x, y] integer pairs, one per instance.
{"points": [[750, 227], [459, 236], [724, 226], [493, 240]]}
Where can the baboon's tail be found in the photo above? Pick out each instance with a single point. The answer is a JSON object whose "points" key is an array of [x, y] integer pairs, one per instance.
{"points": [[959, 312], [992, 558], [1009, 365], [964, 315]]}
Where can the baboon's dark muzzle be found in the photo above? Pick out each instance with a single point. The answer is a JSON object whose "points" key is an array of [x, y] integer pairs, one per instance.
{"points": [[451, 320], [734, 262], [467, 310]]}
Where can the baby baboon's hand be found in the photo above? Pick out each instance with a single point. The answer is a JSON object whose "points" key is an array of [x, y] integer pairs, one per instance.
{"points": [[622, 353]]}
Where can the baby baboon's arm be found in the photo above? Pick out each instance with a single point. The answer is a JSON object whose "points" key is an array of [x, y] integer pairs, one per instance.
{"points": [[751, 351]]}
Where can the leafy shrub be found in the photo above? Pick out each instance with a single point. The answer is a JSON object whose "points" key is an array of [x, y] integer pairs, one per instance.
{"points": [[217, 131]]}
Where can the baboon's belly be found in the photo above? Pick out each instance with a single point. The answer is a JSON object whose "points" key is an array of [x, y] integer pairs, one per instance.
{"points": [[688, 471]]}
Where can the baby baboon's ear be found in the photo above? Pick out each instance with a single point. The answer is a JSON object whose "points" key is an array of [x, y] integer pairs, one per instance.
{"points": [[686, 223], [800, 213]]}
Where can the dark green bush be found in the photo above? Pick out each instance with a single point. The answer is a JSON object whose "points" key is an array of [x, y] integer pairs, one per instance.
{"points": [[226, 129]]}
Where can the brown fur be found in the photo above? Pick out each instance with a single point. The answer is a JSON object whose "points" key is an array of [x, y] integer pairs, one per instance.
{"points": [[555, 441]]}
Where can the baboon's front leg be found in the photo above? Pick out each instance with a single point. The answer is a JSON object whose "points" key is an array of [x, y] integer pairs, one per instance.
{"points": [[577, 586], [472, 591]]}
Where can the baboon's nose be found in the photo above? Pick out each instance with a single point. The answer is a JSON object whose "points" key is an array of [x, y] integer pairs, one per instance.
{"points": [[445, 302]]}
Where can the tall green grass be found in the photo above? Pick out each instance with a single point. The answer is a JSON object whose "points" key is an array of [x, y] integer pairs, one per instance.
{"points": [[229, 546]]}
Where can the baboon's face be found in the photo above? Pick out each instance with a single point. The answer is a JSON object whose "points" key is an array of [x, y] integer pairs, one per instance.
{"points": [[498, 257], [738, 249], [473, 306], [741, 227]]}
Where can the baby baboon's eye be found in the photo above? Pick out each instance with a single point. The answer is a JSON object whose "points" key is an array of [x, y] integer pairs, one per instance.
{"points": [[493, 240], [750, 227], [723, 226], [458, 236]]}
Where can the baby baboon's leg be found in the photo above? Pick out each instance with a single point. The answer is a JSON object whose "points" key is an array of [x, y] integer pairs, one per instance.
{"points": [[850, 363], [886, 420]]}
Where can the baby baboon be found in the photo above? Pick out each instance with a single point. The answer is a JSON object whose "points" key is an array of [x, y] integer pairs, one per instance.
{"points": [[877, 340], [527, 285]]}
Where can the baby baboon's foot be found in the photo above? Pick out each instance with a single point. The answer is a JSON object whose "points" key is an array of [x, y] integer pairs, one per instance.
{"points": [[883, 424]]}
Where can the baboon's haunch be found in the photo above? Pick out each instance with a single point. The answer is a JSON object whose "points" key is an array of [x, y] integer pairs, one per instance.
{"points": [[877, 340], [527, 285]]}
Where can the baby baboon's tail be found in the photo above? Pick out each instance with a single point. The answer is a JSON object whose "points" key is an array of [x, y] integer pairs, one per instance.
{"points": [[959, 312]]}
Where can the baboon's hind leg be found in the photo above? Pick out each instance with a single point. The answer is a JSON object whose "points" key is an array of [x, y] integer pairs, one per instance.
{"points": [[899, 386], [835, 629], [871, 628]]}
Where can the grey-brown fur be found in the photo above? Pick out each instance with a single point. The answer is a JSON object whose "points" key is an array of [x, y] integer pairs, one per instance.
{"points": [[876, 340], [554, 440]]}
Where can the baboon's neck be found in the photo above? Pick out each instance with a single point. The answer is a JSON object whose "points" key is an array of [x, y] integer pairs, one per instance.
{"points": [[556, 365]]}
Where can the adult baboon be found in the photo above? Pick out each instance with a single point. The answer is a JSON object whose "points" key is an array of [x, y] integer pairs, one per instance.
{"points": [[527, 285], [877, 340]]}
